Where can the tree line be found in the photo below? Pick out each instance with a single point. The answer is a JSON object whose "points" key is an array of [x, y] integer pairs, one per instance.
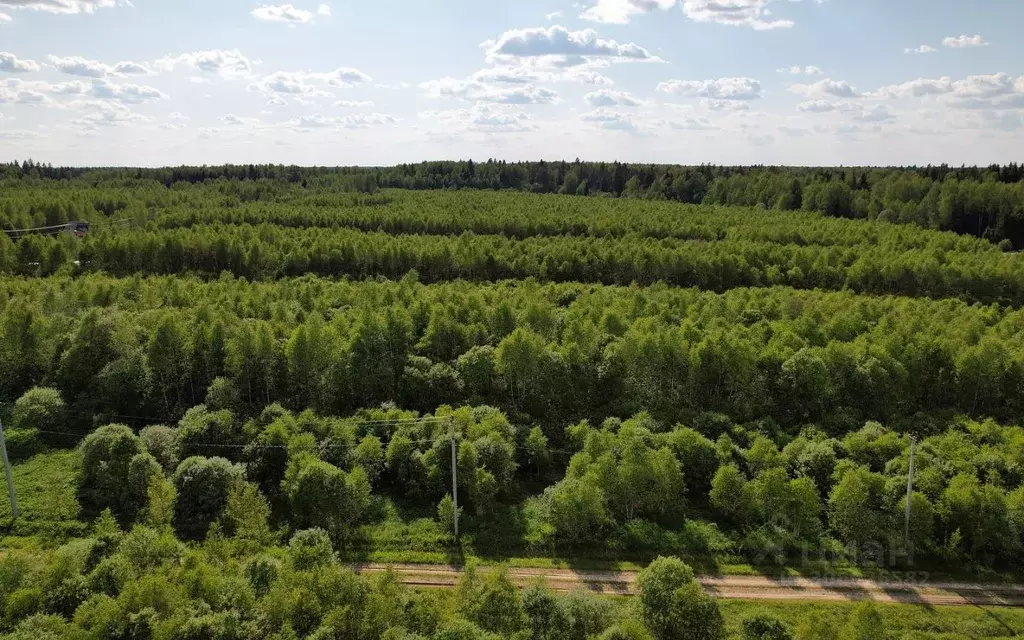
{"points": [[437, 234], [550, 353], [984, 202]]}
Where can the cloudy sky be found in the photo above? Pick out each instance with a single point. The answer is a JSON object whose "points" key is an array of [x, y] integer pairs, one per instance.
{"points": [[813, 82]]}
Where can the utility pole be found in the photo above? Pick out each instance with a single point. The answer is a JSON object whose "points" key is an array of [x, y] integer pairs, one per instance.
{"points": [[910, 491], [455, 480], [7, 470]]}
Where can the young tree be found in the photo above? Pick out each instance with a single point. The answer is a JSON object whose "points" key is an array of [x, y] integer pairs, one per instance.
{"points": [[674, 605]]}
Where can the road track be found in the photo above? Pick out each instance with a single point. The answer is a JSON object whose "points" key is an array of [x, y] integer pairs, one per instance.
{"points": [[735, 587]]}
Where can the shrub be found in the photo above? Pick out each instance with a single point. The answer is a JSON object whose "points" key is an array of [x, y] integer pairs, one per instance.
{"points": [[162, 443], [493, 603], [547, 619], [311, 548], [626, 630], [673, 604], [764, 626], [460, 629], [200, 427], [203, 485], [107, 456], [23, 603], [262, 571], [63, 598], [110, 575], [145, 548], [40, 408], [43, 627]]}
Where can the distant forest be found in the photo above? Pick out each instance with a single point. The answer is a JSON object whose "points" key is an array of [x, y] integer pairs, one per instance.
{"points": [[984, 202]]}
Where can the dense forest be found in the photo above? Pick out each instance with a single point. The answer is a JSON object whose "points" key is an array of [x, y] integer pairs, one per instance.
{"points": [[252, 374], [985, 202]]}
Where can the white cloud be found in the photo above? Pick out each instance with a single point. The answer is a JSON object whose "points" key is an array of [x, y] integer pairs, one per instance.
{"points": [[353, 104], [554, 15], [797, 70], [282, 13], [691, 124], [77, 66], [303, 83], [10, 63], [233, 120], [922, 49], [227, 63], [344, 77], [177, 116], [620, 11], [720, 89], [356, 121], [62, 6], [827, 106], [724, 105], [18, 93], [324, 10], [609, 98], [20, 135], [127, 68], [483, 118], [106, 114], [73, 88], [126, 93], [827, 87], [4, 18], [276, 101], [568, 48], [740, 13], [474, 91], [996, 91], [611, 119], [964, 42]]}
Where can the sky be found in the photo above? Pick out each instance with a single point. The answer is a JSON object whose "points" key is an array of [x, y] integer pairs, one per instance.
{"points": [[380, 82]]}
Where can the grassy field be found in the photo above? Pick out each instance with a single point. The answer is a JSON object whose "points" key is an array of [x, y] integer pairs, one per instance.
{"points": [[909, 622], [45, 486]]}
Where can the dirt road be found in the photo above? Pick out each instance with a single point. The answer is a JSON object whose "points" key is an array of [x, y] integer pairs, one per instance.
{"points": [[736, 587]]}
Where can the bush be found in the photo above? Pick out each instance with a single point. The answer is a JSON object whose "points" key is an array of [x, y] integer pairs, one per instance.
{"points": [[673, 604], [222, 394], [22, 443], [493, 603], [145, 548], [110, 575], [162, 443], [40, 408], [262, 571], [764, 626], [626, 630], [200, 427], [203, 485], [460, 629], [43, 627], [23, 603], [63, 598], [107, 457], [311, 548], [547, 619]]}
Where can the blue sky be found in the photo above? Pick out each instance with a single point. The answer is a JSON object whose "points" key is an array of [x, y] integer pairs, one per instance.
{"points": [[810, 82]]}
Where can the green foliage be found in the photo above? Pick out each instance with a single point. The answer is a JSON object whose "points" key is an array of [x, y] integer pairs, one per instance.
{"points": [[114, 473], [674, 605], [311, 548], [203, 486]]}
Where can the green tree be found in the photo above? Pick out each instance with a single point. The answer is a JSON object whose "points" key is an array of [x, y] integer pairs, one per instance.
{"points": [[673, 605], [203, 486]]}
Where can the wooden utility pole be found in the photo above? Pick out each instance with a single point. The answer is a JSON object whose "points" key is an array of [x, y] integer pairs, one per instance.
{"points": [[7, 470], [455, 479], [910, 492]]}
